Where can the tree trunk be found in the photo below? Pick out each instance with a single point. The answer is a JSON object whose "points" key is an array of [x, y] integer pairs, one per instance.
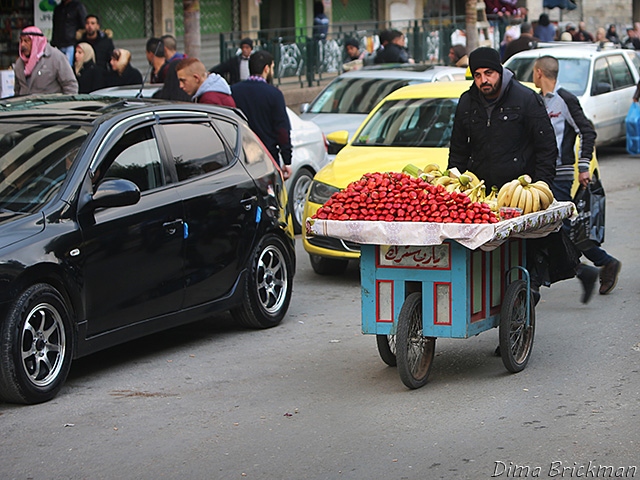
{"points": [[192, 27], [471, 20]]}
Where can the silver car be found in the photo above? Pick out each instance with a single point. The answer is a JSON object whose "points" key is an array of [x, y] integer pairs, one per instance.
{"points": [[348, 99], [603, 79]]}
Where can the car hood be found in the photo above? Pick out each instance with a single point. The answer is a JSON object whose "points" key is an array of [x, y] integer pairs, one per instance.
{"points": [[18, 226], [331, 122], [353, 162]]}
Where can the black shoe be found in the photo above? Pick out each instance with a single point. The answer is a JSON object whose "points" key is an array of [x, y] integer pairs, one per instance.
{"points": [[587, 276], [609, 276]]}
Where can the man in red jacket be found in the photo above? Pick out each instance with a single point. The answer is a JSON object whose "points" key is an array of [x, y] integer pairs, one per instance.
{"points": [[203, 87]]}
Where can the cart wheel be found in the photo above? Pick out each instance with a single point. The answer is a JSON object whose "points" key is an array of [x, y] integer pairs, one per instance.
{"points": [[516, 337], [387, 349], [414, 352]]}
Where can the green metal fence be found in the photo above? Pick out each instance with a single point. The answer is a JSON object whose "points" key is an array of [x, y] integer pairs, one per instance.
{"points": [[300, 58]]}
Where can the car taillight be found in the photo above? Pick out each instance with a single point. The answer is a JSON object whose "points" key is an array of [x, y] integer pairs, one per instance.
{"points": [[326, 142]]}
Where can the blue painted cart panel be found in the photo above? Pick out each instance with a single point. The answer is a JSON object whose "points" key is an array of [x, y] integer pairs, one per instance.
{"points": [[461, 289]]}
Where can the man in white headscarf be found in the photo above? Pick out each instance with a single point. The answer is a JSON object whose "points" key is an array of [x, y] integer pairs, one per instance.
{"points": [[42, 68]]}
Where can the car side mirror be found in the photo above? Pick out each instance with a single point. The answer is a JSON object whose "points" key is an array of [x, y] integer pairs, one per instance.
{"points": [[341, 137], [601, 87], [115, 192], [336, 141], [304, 108]]}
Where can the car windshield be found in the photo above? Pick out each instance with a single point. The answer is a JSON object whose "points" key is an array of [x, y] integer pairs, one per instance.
{"points": [[422, 122], [356, 95], [34, 160], [573, 74]]}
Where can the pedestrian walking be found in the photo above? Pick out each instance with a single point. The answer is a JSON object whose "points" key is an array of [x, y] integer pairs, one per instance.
{"points": [[68, 17], [569, 121], [236, 69], [202, 86], [41, 68], [265, 109]]}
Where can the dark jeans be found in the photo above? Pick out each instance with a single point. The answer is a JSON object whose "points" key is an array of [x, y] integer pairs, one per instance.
{"points": [[562, 192]]}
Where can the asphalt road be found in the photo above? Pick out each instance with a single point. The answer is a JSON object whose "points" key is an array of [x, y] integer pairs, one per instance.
{"points": [[311, 399]]}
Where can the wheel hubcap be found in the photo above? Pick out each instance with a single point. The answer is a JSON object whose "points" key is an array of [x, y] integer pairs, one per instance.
{"points": [[272, 281], [43, 344]]}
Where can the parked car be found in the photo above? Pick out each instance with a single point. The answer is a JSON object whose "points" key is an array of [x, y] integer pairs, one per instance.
{"points": [[347, 100], [603, 79], [411, 125], [309, 150], [122, 218]]}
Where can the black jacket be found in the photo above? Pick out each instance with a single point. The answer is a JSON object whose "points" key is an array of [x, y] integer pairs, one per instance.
{"points": [[130, 76], [229, 69], [518, 138], [103, 48], [90, 78], [392, 53], [67, 19]]}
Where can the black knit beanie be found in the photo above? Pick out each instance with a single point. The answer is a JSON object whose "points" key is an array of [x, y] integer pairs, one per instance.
{"points": [[485, 57]]}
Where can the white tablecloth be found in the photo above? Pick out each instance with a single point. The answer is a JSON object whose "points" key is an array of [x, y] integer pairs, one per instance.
{"points": [[486, 236]]}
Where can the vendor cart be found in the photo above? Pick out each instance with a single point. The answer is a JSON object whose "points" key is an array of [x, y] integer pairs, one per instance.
{"points": [[421, 281]]}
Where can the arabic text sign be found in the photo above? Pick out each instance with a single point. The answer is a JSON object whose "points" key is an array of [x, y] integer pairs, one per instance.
{"points": [[430, 257]]}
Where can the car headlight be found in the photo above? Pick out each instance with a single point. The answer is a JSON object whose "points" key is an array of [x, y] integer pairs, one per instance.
{"points": [[320, 192]]}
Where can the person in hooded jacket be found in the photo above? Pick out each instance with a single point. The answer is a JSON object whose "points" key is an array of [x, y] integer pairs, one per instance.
{"points": [[202, 86], [90, 76], [122, 73]]}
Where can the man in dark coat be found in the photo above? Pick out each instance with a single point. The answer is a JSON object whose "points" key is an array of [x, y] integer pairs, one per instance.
{"points": [[236, 69], [502, 130], [68, 18], [99, 40], [265, 109]]}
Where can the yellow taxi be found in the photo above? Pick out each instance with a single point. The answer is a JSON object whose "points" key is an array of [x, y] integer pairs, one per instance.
{"points": [[411, 125]]}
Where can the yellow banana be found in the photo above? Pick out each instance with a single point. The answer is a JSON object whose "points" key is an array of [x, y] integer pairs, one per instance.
{"points": [[522, 201], [546, 195], [474, 178], [432, 167], [515, 198], [506, 193], [442, 181], [528, 201], [535, 195]]}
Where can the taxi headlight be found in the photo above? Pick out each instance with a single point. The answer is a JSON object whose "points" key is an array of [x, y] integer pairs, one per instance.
{"points": [[320, 192]]}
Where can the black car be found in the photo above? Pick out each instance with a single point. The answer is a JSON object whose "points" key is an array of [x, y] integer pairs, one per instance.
{"points": [[122, 218]]}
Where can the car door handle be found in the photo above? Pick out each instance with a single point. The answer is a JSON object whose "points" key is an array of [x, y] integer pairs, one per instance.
{"points": [[246, 202], [172, 227]]}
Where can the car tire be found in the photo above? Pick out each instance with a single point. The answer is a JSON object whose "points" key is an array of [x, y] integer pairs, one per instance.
{"points": [[268, 286], [37, 343], [328, 266], [300, 184]]}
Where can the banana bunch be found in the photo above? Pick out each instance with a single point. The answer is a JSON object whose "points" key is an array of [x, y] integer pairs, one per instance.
{"points": [[523, 194], [492, 199]]}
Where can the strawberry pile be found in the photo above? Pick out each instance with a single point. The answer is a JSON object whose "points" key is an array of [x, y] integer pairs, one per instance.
{"points": [[398, 197]]}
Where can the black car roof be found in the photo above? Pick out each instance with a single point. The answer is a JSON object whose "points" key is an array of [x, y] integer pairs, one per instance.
{"points": [[86, 109]]}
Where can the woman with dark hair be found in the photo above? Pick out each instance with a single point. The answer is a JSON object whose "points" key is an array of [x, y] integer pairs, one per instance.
{"points": [[545, 31], [122, 73], [612, 35], [90, 77]]}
